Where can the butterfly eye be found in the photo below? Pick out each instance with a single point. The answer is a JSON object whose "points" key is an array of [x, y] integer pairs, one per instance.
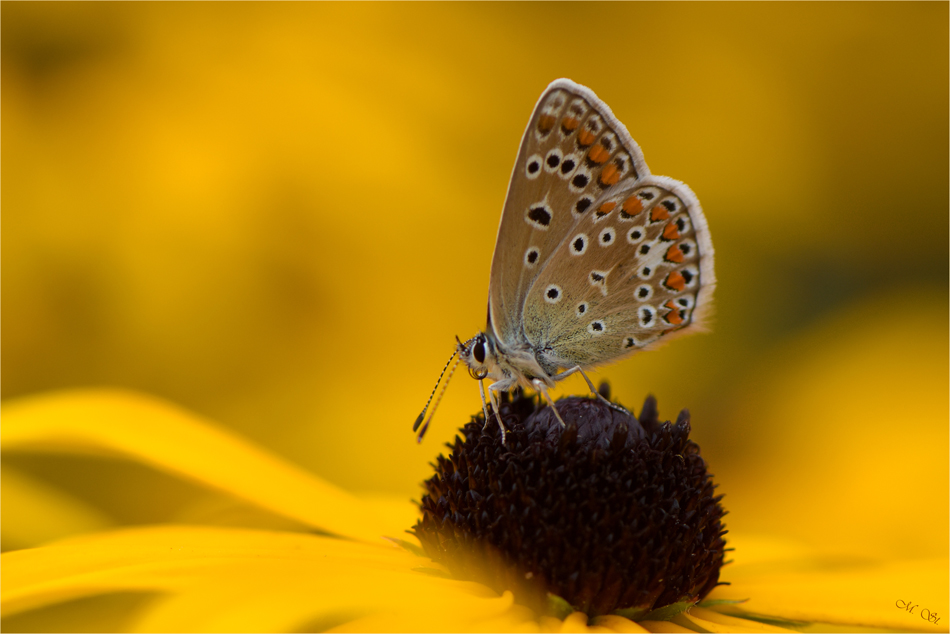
{"points": [[478, 351]]}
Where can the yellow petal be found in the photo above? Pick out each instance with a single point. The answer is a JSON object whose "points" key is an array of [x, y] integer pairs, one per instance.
{"points": [[664, 626], [114, 612], [619, 624], [575, 622], [168, 438], [841, 591], [398, 513], [701, 620], [356, 597], [363, 600], [483, 614], [34, 512], [219, 579], [166, 558]]}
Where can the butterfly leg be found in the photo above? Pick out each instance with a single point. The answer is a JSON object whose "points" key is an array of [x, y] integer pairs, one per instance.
{"points": [[481, 388], [494, 406], [543, 389], [590, 384]]}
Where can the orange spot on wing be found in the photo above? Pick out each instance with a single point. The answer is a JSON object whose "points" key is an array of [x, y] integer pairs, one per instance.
{"points": [[632, 206], [671, 232], [607, 207], [674, 317], [610, 175], [659, 213], [673, 254], [598, 154], [569, 124], [675, 281], [585, 137], [546, 123]]}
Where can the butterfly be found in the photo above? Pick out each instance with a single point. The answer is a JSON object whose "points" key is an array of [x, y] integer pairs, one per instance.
{"points": [[595, 259]]}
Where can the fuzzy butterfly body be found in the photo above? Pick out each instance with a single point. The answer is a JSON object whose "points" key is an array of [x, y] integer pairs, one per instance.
{"points": [[595, 258]]}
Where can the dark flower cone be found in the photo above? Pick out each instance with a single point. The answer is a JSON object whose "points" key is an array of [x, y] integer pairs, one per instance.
{"points": [[612, 513]]}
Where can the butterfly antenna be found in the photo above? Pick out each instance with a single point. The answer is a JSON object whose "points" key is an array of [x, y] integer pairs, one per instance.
{"points": [[445, 385]]}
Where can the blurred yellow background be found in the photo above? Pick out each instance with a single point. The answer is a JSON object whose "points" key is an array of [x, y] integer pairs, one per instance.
{"points": [[280, 216]]}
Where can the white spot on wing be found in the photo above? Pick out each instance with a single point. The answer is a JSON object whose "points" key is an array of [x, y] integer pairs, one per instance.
{"points": [[553, 294], [532, 167], [578, 245], [530, 261], [635, 234], [597, 327]]}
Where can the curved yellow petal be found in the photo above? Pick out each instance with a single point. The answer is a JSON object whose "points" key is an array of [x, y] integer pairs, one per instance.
{"points": [[429, 614], [616, 623], [664, 626], [701, 620], [575, 622], [170, 558], [550, 624], [168, 438], [842, 591], [397, 513], [220, 579], [113, 612], [34, 513], [357, 598]]}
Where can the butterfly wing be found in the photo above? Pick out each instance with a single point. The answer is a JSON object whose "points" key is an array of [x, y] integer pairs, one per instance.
{"points": [[633, 272], [573, 151]]}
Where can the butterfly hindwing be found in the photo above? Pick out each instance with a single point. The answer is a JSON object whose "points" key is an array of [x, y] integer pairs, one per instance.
{"points": [[634, 271], [573, 152]]}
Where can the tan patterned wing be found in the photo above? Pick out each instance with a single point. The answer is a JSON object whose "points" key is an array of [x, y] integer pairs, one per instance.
{"points": [[573, 152], [636, 270]]}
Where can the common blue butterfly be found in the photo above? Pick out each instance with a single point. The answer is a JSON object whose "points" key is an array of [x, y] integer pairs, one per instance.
{"points": [[595, 259]]}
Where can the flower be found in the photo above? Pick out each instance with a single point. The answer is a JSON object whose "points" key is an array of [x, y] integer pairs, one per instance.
{"points": [[328, 568], [610, 515]]}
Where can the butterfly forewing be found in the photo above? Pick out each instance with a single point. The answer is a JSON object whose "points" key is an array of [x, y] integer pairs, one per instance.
{"points": [[573, 153], [633, 271]]}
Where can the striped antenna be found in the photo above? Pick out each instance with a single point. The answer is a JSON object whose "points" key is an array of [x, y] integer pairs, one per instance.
{"points": [[445, 385]]}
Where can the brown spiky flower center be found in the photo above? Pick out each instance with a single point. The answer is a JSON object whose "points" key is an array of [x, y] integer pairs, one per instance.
{"points": [[612, 513]]}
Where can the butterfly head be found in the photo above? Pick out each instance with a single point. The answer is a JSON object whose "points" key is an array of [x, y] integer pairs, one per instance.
{"points": [[478, 353]]}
